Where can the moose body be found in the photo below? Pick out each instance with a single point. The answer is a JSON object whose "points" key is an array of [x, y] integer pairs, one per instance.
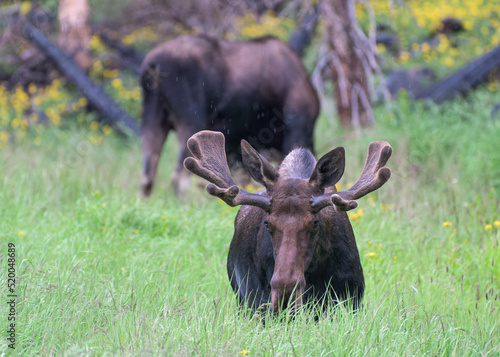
{"points": [[334, 266], [293, 242], [257, 90]]}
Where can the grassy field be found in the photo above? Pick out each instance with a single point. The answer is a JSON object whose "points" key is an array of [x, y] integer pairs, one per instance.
{"points": [[102, 272]]}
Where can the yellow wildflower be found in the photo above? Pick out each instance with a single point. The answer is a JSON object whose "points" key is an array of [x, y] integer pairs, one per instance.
{"points": [[166, 229], [96, 44], [446, 224], [21, 234], [356, 215], [370, 254], [25, 7], [82, 102], [136, 231], [488, 227], [103, 228], [15, 123], [55, 118], [110, 73], [56, 83], [245, 352], [425, 47], [107, 130], [33, 117], [117, 83], [24, 124], [32, 88], [448, 61], [4, 136], [123, 268], [395, 258], [96, 139], [97, 66], [37, 141], [496, 223], [386, 207], [94, 125]]}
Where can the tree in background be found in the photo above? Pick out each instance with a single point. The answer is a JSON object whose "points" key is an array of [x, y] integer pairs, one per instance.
{"points": [[74, 37], [352, 61]]}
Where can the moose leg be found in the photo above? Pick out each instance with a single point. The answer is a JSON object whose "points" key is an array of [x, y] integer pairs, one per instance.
{"points": [[180, 178], [153, 138], [155, 127]]}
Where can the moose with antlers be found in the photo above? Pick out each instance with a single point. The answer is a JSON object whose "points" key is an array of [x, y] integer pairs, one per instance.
{"points": [[293, 241]]}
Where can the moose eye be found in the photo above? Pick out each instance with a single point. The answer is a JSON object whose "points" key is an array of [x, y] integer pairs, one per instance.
{"points": [[266, 223], [316, 224]]}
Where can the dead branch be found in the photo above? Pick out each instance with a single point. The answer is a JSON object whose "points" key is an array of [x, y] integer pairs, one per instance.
{"points": [[96, 96]]}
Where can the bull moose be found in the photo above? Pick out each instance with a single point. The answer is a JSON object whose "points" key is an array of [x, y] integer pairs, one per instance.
{"points": [[293, 241], [257, 90]]}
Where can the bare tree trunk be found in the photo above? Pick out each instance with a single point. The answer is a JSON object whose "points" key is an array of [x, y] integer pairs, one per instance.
{"points": [[352, 61], [75, 30]]}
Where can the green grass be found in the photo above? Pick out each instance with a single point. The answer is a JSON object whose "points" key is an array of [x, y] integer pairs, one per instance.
{"points": [[99, 273]]}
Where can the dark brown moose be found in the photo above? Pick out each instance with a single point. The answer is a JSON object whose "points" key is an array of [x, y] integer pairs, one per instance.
{"points": [[293, 242], [257, 90]]}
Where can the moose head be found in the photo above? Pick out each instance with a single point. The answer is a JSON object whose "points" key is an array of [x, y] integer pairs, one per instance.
{"points": [[299, 221]]}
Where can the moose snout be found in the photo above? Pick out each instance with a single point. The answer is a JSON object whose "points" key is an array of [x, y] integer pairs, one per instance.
{"points": [[287, 290]]}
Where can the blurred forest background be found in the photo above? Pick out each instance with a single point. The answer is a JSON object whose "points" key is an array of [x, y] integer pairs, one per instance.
{"points": [[391, 46]]}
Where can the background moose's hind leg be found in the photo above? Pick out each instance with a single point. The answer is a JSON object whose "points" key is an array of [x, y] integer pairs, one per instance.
{"points": [[180, 178], [155, 127]]}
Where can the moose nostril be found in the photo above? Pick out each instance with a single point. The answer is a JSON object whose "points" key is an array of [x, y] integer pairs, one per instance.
{"points": [[282, 290]]}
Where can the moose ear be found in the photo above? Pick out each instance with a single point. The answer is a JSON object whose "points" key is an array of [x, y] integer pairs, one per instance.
{"points": [[329, 169], [258, 167]]}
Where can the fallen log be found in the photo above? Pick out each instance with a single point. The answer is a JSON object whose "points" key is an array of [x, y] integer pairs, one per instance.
{"points": [[460, 82], [130, 57], [95, 94]]}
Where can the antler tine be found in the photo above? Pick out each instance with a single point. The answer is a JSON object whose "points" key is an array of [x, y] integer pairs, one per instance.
{"points": [[209, 158], [209, 162], [374, 175]]}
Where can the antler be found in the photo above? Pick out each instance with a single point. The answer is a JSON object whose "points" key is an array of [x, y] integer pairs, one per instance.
{"points": [[374, 175], [209, 162]]}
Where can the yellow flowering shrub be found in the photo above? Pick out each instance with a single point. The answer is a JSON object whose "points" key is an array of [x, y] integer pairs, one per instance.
{"points": [[26, 113], [248, 26], [142, 34], [417, 20]]}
